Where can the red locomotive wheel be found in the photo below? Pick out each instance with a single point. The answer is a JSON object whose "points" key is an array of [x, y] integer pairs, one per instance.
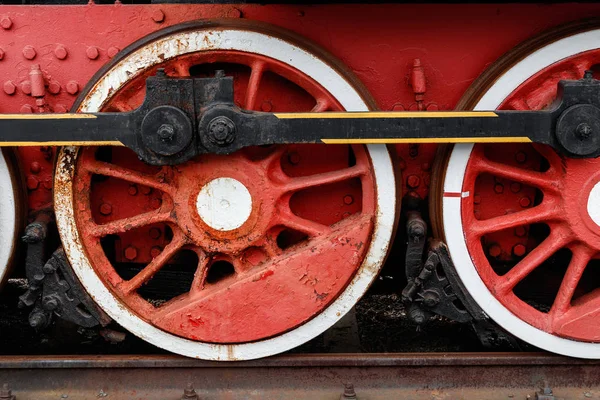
{"points": [[522, 222], [228, 257]]}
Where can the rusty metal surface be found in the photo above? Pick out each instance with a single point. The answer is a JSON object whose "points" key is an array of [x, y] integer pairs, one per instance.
{"points": [[374, 376]]}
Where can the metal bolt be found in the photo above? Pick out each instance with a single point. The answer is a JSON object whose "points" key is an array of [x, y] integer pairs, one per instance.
{"points": [[294, 158], [92, 52], [6, 22], [105, 209], [158, 16], [10, 88], [521, 157], [348, 199], [398, 107], [583, 131], [112, 51], [413, 181], [430, 298], [26, 109], [146, 190], [525, 202], [499, 188], [166, 133], [37, 320], [520, 231], [155, 251], [515, 187], [189, 393], [416, 314], [32, 182], [29, 52], [519, 250], [50, 303], [349, 392], [266, 106], [155, 233], [72, 87], [130, 253], [221, 131], [60, 52], [35, 167], [54, 87], [6, 393], [26, 87], [132, 190], [494, 250]]}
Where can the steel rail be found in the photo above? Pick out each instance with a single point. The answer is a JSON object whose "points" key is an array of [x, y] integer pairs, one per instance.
{"points": [[373, 376]]}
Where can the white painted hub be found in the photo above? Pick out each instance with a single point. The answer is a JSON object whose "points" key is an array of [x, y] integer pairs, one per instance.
{"points": [[593, 204], [224, 204]]}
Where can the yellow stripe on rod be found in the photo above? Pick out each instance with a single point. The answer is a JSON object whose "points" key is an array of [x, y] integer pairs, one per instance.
{"points": [[47, 116], [389, 114], [502, 139]]}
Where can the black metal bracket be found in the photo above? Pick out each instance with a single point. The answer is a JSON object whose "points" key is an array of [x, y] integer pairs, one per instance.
{"points": [[183, 117]]}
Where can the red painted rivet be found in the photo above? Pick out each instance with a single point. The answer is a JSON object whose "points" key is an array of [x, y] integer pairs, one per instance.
{"points": [[60, 52], [130, 253], [146, 190], [499, 188], [29, 52], [156, 203], [26, 109], [398, 107], [432, 107], [72, 87], [35, 167], [54, 87], [48, 183], [155, 233], [521, 157], [348, 199], [294, 158], [266, 106], [9, 88], [519, 250], [92, 52], [32, 182], [515, 187], [6, 22], [520, 231], [112, 51], [26, 87], [155, 251], [494, 250], [413, 181], [525, 202], [1, 54], [158, 16], [132, 190], [105, 209]]}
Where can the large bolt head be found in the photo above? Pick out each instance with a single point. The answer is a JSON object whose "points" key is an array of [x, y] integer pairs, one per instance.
{"points": [[221, 131]]}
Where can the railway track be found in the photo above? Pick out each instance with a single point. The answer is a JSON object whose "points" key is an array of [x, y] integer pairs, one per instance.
{"points": [[415, 376]]}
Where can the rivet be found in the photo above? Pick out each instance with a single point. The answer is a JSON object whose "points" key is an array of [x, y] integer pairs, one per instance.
{"points": [[146, 190], [294, 158], [132, 190], [112, 51], [54, 87], [520, 231], [60, 52], [6, 22], [32, 182], [525, 202], [348, 199], [398, 107], [494, 250], [130, 253], [72, 87], [499, 188], [155, 251], [521, 157], [92, 52], [9, 88], [29, 52], [519, 250], [26, 109], [155, 233], [432, 107], [158, 16], [26, 87], [35, 167], [266, 106], [515, 187], [413, 181], [156, 203], [105, 209], [47, 183]]}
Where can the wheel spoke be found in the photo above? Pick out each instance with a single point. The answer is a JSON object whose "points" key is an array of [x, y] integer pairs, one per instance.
{"points": [[579, 261], [127, 224], [305, 182], [129, 175], [540, 213], [154, 266], [555, 241], [201, 271], [540, 180], [253, 84], [290, 220]]}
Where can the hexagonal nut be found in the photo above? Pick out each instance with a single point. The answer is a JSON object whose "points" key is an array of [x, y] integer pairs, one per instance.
{"points": [[72, 87], [10, 88], [112, 51], [158, 16], [29, 52], [54, 87], [60, 52], [92, 52], [6, 22]]}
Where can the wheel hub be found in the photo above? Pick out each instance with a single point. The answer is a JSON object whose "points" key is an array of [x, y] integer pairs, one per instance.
{"points": [[593, 204], [224, 204]]}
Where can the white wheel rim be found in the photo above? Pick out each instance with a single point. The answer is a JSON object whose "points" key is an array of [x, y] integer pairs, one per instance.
{"points": [[246, 41], [451, 206], [8, 218]]}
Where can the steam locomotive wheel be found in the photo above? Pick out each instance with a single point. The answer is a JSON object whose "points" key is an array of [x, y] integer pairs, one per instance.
{"points": [[11, 197], [263, 249], [522, 222]]}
